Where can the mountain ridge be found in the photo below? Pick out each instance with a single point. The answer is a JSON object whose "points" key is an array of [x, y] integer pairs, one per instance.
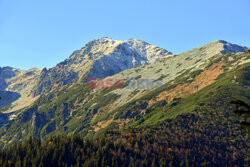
{"points": [[101, 58], [74, 109]]}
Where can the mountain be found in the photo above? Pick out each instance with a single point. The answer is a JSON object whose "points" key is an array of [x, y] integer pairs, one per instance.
{"points": [[99, 58], [171, 67], [7, 73], [16, 86], [65, 106]]}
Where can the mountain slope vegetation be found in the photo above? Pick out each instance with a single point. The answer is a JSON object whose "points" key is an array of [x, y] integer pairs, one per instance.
{"points": [[188, 120], [210, 135], [77, 110]]}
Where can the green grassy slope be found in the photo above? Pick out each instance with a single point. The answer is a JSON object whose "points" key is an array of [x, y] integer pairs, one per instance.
{"points": [[215, 97]]}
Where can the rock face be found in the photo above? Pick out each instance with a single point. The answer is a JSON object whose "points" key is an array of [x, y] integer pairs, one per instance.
{"points": [[228, 47], [7, 97], [126, 55], [16, 87], [7, 73], [215, 47], [99, 58]]}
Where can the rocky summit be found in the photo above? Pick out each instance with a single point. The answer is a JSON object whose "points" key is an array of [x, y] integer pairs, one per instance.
{"points": [[99, 58]]}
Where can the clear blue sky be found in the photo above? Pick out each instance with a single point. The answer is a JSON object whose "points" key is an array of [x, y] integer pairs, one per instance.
{"points": [[42, 34]]}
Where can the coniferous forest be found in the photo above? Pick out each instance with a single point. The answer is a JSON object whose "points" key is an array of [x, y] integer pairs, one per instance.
{"points": [[188, 140]]}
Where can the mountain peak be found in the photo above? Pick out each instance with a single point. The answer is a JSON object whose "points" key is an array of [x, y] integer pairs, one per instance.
{"points": [[9, 68], [100, 58], [8, 72], [101, 40], [230, 47], [106, 38], [220, 41], [221, 46]]}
